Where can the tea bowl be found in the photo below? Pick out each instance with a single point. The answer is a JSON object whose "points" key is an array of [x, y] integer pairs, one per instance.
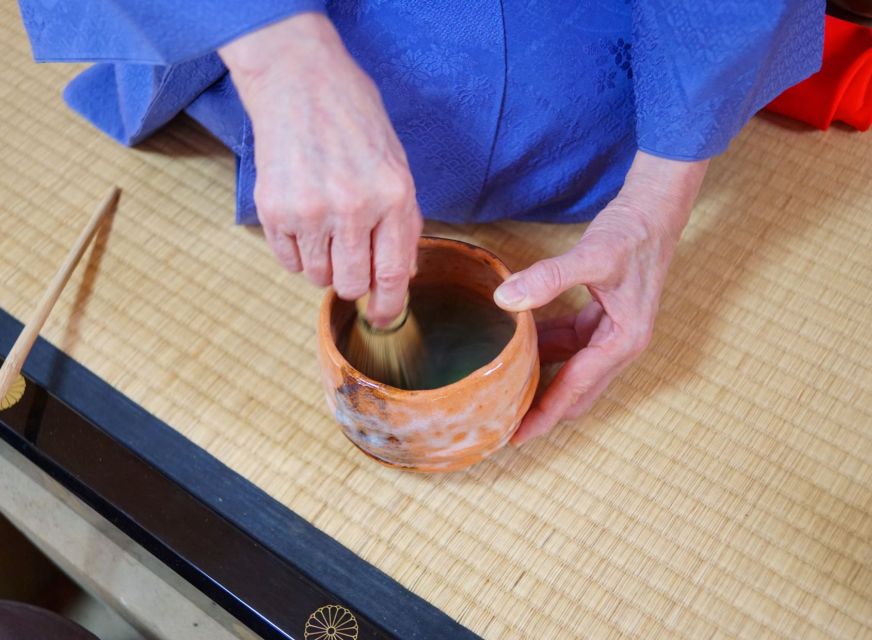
{"points": [[446, 428]]}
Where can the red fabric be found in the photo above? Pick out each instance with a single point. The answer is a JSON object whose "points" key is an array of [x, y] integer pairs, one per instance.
{"points": [[842, 89]]}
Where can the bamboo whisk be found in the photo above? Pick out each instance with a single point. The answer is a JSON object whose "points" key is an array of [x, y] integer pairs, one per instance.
{"points": [[391, 354]]}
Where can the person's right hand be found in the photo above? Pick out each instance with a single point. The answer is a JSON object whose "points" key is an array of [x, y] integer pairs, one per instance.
{"points": [[334, 192]]}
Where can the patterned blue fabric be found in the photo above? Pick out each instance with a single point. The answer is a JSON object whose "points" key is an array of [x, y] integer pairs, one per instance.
{"points": [[523, 109]]}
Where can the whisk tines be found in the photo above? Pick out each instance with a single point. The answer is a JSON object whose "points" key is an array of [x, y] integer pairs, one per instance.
{"points": [[392, 354]]}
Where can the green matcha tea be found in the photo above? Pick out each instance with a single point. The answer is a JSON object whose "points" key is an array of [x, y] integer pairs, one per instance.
{"points": [[460, 330]]}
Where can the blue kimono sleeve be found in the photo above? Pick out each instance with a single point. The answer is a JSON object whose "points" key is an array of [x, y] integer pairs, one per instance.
{"points": [[702, 68], [159, 32]]}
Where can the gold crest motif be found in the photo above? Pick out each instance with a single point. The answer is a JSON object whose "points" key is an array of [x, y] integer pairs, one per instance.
{"points": [[331, 622], [14, 394]]}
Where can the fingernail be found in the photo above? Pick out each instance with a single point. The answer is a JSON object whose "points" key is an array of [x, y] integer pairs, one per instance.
{"points": [[511, 293], [517, 438], [518, 441]]}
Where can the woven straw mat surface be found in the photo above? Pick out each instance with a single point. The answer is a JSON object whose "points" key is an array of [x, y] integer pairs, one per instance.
{"points": [[722, 487]]}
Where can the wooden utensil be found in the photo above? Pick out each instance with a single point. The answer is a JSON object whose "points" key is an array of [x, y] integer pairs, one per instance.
{"points": [[11, 381], [390, 354]]}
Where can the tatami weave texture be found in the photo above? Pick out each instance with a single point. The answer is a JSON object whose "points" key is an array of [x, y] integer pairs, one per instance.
{"points": [[722, 487]]}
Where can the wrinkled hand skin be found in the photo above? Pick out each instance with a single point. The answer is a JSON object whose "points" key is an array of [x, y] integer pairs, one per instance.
{"points": [[622, 258], [334, 192]]}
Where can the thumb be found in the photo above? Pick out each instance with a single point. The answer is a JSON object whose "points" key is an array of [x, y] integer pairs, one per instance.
{"points": [[545, 280]]}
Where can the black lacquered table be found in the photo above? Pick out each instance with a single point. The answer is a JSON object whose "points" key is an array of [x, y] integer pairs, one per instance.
{"points": [[266, 566]]}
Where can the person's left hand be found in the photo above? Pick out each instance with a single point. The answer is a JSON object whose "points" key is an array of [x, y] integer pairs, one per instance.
{"points": [[622, 258]]}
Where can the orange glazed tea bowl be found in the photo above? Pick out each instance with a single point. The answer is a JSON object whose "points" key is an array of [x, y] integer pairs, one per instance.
{"points": [[448, 427]]}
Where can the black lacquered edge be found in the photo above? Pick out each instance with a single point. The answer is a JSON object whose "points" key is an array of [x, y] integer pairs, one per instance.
{"points": [[260, 561]]}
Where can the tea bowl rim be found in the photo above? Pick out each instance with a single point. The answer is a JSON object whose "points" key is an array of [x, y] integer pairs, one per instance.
{"points": [[523, 323]]}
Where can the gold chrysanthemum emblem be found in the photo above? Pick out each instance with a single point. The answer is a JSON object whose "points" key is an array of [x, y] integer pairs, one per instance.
{"points": [[331, 622], [14, 394]]}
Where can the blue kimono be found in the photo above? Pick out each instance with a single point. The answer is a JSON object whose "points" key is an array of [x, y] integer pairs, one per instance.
{"points": [[522, 109]]}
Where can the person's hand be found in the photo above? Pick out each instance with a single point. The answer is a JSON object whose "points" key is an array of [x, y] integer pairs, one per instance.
{"points": [[622, 258], [334, 193]]}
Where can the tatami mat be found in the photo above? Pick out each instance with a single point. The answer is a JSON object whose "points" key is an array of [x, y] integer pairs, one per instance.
{"points": [[721, 488]]}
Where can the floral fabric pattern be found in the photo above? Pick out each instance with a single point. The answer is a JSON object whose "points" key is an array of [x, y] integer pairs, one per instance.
{"points": [[524, 109]]}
